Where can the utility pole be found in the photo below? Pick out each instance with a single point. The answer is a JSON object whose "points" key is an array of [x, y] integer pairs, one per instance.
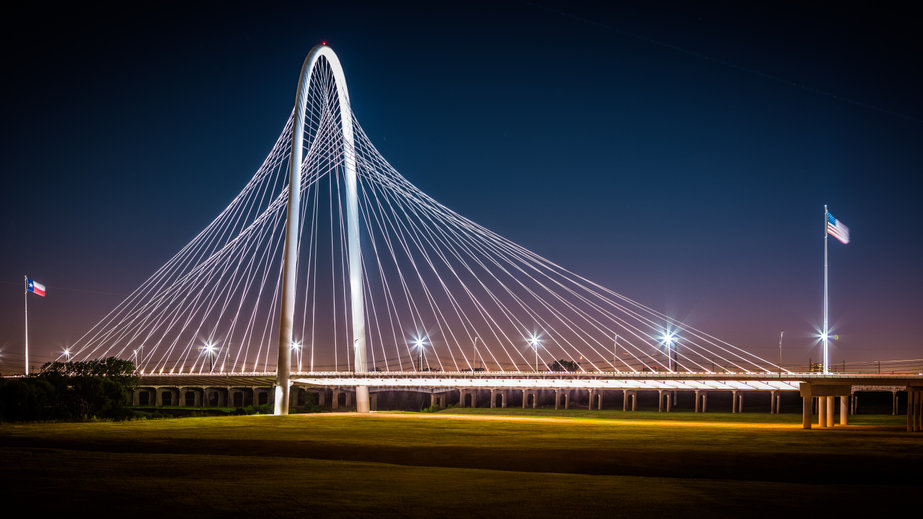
{"points": [[781, 332]]}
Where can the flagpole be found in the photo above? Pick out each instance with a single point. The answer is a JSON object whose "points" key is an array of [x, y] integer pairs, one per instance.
{"points": [[826, 335], [25, 298]]}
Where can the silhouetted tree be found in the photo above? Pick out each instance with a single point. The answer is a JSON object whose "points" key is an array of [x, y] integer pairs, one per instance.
{"points": [[70, 391], [564, 365]]}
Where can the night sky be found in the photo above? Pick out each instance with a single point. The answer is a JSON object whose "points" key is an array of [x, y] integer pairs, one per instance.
{"points": [[680, 155]]}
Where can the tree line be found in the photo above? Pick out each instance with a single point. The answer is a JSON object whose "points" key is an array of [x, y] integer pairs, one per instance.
{"points": [[70, 391]]}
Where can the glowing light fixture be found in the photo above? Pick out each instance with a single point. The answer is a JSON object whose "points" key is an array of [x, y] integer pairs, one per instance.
{"points": [[419, 342], [209, 350], [296, 347], [669, 339], [535, 341]]}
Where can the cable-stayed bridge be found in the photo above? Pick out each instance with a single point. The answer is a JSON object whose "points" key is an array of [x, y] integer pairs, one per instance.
{"points": [[330, 263]]}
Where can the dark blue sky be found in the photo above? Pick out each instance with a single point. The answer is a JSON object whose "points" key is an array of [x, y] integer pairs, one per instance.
{"points": [[678, 154]]}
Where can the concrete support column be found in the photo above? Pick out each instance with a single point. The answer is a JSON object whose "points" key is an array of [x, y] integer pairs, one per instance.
{"points": [[335, 401], [778, 402], [854, 403], [806, 404], [502, 393], [704, 401], [136, 397], [624, 400], [911, 422], [669, 400], [659, 400], [158, 397], [894, 403], [596, 400], [914, 410], [740, 402], [525, 398], [373, 401], [557, 399], [844, 409], [733, 401], [772, 402], [822, 411], [918, 410], [830, 409], [697, 395]]}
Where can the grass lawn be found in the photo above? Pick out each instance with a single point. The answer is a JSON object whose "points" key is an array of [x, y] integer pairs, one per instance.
{"points": [[897, 422], [477, 463]]}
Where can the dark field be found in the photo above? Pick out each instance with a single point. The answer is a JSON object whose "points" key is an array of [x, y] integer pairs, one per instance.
{"points": [[397, 465]]}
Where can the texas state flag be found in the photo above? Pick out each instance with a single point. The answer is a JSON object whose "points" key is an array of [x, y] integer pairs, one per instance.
{"points": [[35, 287]]}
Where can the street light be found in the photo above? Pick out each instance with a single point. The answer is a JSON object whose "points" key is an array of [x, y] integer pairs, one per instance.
{"points": [[138, 354], [420, 344], [825, 339], [67, 354], [209, 350], [296, 347], [669, 338], [535, 341]]}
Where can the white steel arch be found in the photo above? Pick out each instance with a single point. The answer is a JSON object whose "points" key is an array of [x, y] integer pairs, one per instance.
{"points": [[290, 254]]}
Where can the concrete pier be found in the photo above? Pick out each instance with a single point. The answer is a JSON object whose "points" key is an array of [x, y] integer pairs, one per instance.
{"points": [[737, 402], [596, 400], [527, 395], [498, 394], [561, 398]]}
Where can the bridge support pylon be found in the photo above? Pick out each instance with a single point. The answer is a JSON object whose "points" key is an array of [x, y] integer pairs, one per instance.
{"points": [[362, 399]]}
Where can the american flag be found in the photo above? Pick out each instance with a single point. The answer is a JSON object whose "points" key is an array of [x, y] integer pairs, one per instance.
{"points": [[836, 229]]}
